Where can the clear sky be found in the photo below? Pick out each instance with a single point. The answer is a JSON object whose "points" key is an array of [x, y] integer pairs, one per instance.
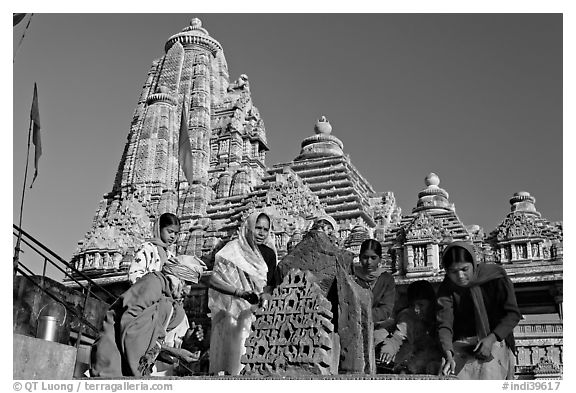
{"points": [[475, 98]]}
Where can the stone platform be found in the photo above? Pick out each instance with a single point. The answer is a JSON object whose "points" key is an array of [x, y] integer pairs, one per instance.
{"points": [[34, 358]]}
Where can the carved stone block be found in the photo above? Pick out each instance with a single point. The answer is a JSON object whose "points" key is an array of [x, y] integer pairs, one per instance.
{"points": [[292, 334]]}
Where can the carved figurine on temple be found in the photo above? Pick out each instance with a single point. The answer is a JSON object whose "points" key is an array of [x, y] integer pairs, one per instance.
{"points": [[535, 251], [240, 84]]}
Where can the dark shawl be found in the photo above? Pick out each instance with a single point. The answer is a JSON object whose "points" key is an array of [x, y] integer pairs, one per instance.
{"points": [[488, 284], [133, 325]]}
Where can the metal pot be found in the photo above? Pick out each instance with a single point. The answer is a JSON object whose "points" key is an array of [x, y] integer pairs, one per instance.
{"points": [[47, 328]]}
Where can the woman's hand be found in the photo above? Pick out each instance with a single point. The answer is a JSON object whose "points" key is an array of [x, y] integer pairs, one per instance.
{"points": [[187, 356], [483, 350], [249, 296], [195, 330], [265, 299], [448, 364], [387, 357]]}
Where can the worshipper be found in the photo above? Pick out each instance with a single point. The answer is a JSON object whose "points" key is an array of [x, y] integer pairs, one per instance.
{"points": [[370, 275], [244, 275], [413, 347], [477, 313], [144, 320], [326, 224], [154, 252]]}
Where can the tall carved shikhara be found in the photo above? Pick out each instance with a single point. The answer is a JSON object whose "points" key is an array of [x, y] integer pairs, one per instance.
{"points": [[228, 141], [226, 135]]}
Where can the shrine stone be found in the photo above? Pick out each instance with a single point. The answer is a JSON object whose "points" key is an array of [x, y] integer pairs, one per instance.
{"points": [[292, 334], [351, 305], [318, 254]]}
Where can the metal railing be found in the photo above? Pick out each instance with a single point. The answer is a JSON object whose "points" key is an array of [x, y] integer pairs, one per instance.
{"points": [[87, 285]]}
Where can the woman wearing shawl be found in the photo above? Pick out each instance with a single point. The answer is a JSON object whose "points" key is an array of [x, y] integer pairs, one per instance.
{"points": [[244, 273], [142, 321], [326, 224], [477, 313], [371, 276], [154, 252]]}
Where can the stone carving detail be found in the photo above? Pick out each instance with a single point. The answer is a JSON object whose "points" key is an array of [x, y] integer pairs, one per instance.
{"points": [[425, 227], [547, 368], [518, 226], [384, 210], [294, 197], [240, 84], [117, 229], [292, 334]]}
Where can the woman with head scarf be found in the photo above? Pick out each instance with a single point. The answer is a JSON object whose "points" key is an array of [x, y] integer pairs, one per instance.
{"points": [[413, 346], [244, 274], [477, 313], [156, 251], [143, 321], [369, 274]]}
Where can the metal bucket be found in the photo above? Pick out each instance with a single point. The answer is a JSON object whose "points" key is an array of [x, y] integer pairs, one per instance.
{"points": [[47, 328]]}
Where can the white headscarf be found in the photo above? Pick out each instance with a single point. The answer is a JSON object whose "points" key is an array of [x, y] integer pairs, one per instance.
{"points": [[244, 253]]}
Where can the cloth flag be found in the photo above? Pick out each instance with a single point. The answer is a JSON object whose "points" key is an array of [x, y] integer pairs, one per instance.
{"points": [[35, 118], [184, 147], [17, 18]]}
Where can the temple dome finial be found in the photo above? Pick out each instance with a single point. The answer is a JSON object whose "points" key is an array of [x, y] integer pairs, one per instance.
{"points": [[322, 143], [523, 202], [433, 198], [432, 180], [323, 126], [195, 23], [194, 34]]}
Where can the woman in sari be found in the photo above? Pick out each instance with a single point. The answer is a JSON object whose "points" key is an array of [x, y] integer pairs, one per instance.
{"points": [[244, 274], [371, 276], [477, 313], [144, 320]]}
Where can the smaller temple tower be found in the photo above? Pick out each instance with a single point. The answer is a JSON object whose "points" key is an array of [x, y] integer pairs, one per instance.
{"points": [[416, 242], [349, 198], [524, 236]]}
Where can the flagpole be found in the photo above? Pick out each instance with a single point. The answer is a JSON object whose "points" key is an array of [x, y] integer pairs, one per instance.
{"points": [[179, 169], [178, 178], [17, 248]]}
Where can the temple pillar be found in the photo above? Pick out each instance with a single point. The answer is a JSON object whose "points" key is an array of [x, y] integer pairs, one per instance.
{"points": [[433, 257], [409, 257], [502, 252]]}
